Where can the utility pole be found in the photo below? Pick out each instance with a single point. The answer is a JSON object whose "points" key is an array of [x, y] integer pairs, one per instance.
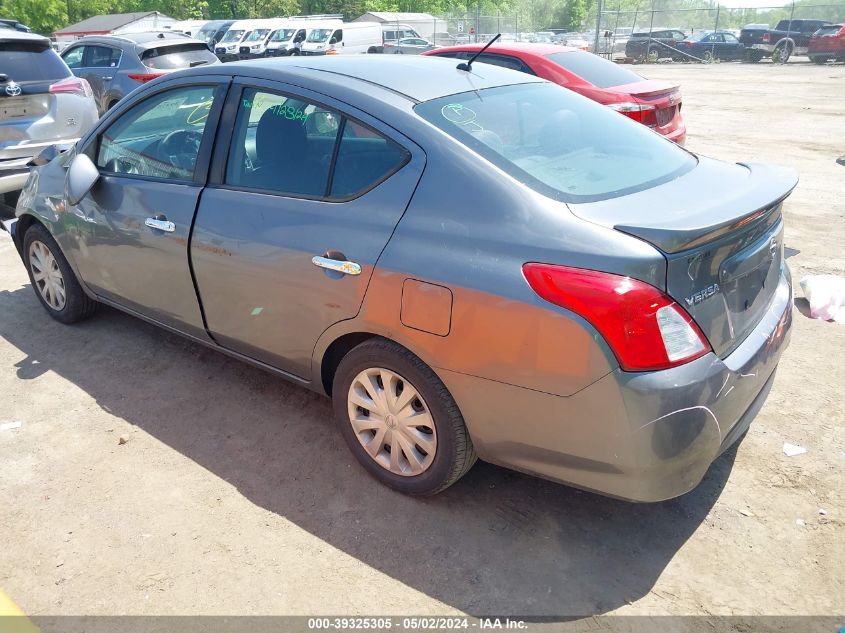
{"points": [[598, 26]]}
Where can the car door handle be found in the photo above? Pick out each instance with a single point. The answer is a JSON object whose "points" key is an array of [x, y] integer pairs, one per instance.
{"points": [[161, 225], [341, 266]]}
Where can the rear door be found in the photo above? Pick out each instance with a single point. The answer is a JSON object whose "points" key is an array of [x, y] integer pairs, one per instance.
{"points": [[99, 67], [132, 229], [304, 177]]}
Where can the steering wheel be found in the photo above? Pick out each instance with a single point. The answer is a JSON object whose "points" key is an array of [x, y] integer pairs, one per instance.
{"points": [[181, 147]]}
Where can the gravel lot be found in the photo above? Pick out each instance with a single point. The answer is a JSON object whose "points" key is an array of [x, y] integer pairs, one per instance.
{"points": [[235, 495]]}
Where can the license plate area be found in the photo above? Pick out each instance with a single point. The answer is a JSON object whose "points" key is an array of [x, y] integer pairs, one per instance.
{"points": [[665, 115]]}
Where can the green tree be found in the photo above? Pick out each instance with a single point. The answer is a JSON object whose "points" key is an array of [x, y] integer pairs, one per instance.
{"points": [[42, 16]]}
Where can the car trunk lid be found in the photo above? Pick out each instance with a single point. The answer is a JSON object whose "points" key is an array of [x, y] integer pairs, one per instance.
{"points": [[724, 251], [665, 98]]}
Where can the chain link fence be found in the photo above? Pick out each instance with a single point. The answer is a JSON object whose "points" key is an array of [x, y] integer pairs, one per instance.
{"points": [[654, 40], [471, 27]]}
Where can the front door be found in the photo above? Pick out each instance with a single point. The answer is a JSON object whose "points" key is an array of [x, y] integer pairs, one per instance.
{"points": [[134, 226], [308, 189]]}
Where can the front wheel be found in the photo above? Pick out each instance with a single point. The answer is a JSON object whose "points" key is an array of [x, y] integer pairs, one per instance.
{"points": [[52, 279], [708, 57], [399, 420]]}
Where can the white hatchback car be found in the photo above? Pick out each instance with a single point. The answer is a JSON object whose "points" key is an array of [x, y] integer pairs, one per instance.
{"points": [[41, 104]]}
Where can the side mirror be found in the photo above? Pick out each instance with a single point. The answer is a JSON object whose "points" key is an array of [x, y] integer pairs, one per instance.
{"points": [[81, 176]]}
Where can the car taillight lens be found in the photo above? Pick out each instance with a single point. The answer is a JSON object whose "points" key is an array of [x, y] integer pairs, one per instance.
{"points": [[646, 329], [644, 113], [765, 37], [72, 85], [145, 77]]}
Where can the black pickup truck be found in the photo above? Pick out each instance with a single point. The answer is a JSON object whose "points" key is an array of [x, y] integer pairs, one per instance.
{"points": [[789, 37]]}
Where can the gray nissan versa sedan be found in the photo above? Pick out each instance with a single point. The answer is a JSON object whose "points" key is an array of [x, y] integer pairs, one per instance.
{"points": [[468, 262]]}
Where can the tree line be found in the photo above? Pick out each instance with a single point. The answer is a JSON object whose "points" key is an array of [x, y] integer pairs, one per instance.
{"points": [[47, 16]]}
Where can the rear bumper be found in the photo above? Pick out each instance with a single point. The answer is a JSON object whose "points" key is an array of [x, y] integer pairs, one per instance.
{"points": [[637, 436]]}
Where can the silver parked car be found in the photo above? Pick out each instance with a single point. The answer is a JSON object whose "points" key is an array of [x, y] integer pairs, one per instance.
{"points": [[41, 104], [408, 46], [116, 65], [589, 303]]}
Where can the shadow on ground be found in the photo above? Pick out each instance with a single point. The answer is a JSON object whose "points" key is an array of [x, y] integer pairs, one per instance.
{"points": [[496, 542]]}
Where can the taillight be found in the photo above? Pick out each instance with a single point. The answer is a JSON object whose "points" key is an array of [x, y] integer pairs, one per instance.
{"points": [[841, 32], [765, 37], [145, 77], [643, 113], [72, 85], [646, 329]]}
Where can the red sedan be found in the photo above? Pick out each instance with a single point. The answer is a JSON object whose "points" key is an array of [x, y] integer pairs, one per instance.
{"points": [[652, 103]]}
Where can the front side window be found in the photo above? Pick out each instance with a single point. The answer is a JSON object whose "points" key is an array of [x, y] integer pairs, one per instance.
{"points": [[159, 137], [285, 144], [558, 143], [73, 57]]}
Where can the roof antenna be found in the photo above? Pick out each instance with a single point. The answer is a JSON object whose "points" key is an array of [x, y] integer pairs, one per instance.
{"points": [[468, 66]]}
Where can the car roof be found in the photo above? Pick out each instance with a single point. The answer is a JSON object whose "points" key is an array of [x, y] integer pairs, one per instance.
{"points": [[516, 48], [7, 35], [415, 77], [143, 39]]}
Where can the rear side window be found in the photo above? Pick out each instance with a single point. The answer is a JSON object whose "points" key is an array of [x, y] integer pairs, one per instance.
{"points": [[828, 30], [31, 61], [101, 57], [558, 143], [185, 55], [594, 69], [364, 159]]}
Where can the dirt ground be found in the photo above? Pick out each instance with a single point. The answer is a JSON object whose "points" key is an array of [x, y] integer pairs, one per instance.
{"points": [[235, 495]]}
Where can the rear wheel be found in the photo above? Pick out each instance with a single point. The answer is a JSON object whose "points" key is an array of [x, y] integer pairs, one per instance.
{"points": [[52, 279], [399, 420], [652, 55], [782, 53], [708, 56]]}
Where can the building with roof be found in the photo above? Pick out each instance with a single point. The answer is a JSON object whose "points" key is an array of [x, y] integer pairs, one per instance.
{"points": [[423, 23], [114, 24]]}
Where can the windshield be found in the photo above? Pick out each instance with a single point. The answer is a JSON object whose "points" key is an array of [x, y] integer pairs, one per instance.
{"points": [[282, 35], [557, 142], [233, 36], [594, 69], [206, 34], [319, 35], [257, 35]]}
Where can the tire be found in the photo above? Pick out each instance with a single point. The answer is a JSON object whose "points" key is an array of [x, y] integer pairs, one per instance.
{"points": [[708, 57], [652, 55], [453, 452], [782, 53], [77, 305]]}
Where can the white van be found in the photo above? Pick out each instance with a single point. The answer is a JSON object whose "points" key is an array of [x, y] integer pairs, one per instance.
{"points": [[349, 38], [290, 39], [255, 43], [228, 48], [188, 27]]}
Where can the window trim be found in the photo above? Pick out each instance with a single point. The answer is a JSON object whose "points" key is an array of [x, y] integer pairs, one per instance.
{"points": [[223, 142], [202, 166]]}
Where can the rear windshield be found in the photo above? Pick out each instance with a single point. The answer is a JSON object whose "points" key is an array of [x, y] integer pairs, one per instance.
{"points": [[185, 55], [31, 61], [596, 70], [828, 30], [557, 142]]}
